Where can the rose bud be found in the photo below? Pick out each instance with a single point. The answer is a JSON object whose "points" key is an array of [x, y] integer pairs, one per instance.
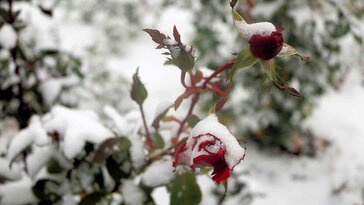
{"points": [[265, 40], [210, 144]]}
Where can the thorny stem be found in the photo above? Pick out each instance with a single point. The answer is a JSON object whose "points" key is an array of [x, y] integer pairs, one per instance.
{"points": [[148, 140], [219, 70], [194, 101], [190, 110], [196, 96]]}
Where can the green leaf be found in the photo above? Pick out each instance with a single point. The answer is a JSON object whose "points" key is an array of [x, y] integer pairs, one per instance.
{"points": [[288, 50], [116, 169], [237, 17], [193, 120], [118, 144], [47, 190], [93, 198], [138, 91], [274, 75], [157, 140], [225, 184], [184, 190], [53, 167], [244, 59], [158, 118]]}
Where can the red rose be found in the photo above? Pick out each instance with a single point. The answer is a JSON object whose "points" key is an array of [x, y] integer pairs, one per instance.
{"points": [[210, 144], [266, 47]]}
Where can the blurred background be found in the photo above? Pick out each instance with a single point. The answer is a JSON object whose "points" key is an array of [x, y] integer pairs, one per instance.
{"points": [[70, 56]]}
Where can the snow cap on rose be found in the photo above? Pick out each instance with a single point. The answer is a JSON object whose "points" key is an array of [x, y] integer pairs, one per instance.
{"points": [[210, 144]]}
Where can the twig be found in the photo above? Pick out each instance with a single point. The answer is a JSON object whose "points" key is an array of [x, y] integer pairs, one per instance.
{"points": [[219, 70], [183, 76], [148, 140], [190, 110]]}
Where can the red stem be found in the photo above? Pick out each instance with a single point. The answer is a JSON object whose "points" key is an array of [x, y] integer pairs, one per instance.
{"points": [[193, 83], [148, 140], [190, 110], [183, 76], [219, 70]]}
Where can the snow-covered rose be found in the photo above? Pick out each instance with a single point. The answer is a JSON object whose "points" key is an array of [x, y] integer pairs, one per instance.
{"points": [[265, 40], [210, 144]]}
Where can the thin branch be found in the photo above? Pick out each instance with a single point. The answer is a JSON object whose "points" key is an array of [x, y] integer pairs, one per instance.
{"points": [[183, 76], [219, 70], [148, 140], [190, 110]]}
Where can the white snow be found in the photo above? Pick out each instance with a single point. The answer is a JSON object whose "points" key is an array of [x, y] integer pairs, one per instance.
{"points": [[18, 192], [161, 107], [129, 125], [51, 88], [34, 133], [75, 127], [248, 30], [136, 150], [234, 153], [38, 158], [8, 36], [119, 121], [133, 195], [158, 173], [12, 173]]}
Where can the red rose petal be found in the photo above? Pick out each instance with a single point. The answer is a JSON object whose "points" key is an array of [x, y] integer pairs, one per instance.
{"points": [[221, 173], [221, 170], [180, 148], [266, 47]]}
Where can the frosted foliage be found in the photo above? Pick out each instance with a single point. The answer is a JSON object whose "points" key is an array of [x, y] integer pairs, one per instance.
{"points": [[34, 133], [38, 158], [8, 36], [12, 173], [52, 88], [158, 173], [119, 121], [75, 128], [234, 152], [10, 192], [137, 150], [248, 30], [133, 195]]}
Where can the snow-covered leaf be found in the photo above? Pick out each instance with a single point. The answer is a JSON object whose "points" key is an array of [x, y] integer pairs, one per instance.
{"points": [[119, 144], [47, 190], [133, 194], [184, 190], [34, 133], [158, 173], [8, 36], [9, 173], [93, 198], [38, 158], [75, 128]]}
